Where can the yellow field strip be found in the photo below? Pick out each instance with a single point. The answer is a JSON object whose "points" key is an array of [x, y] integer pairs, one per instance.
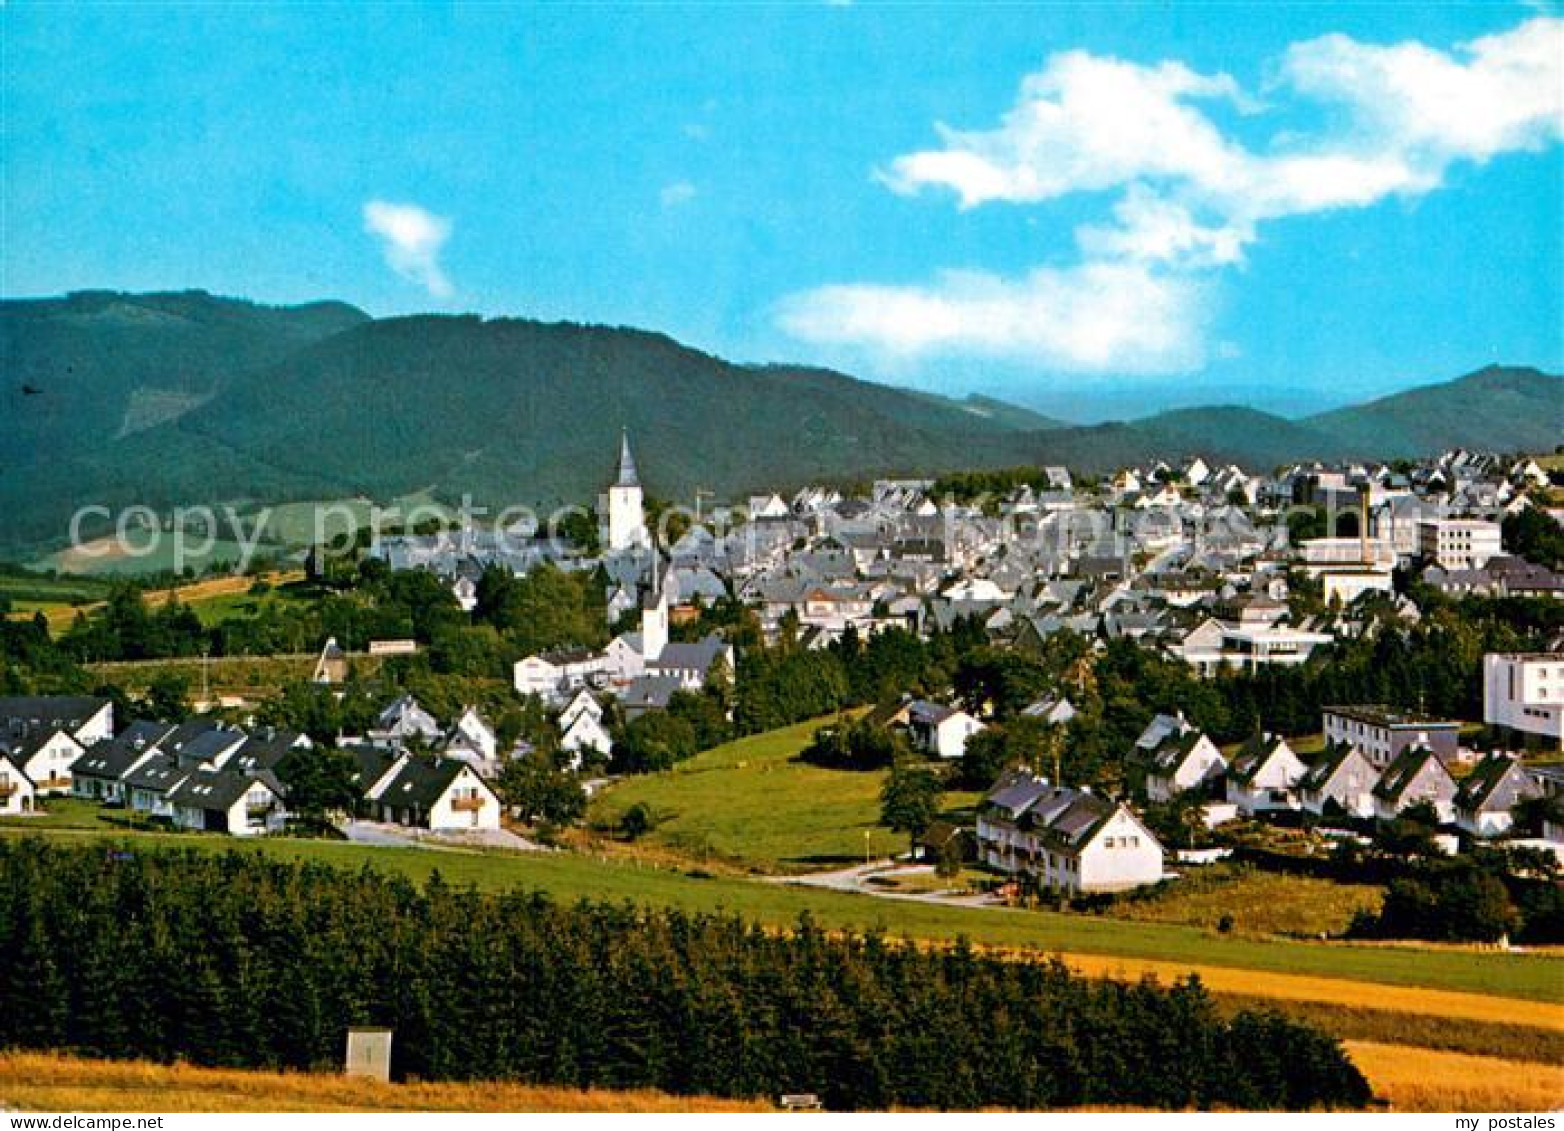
{"points": [[1416, 1079], [1333, 991], [48, 1082]]}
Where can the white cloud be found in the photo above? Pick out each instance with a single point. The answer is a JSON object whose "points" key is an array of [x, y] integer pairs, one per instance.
{"points": [[1191, 196], [1082, 123], [1098, 318], [677, 193], [411, 238]]}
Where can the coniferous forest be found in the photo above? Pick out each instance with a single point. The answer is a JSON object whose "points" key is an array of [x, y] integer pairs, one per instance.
{"points": [[237, 960]]}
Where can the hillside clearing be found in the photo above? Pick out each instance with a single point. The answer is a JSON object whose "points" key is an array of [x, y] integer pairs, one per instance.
{"points": [[753, 803]]}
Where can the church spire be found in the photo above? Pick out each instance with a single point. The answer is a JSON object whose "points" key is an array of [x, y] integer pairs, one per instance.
{"points": [[627, 475]]}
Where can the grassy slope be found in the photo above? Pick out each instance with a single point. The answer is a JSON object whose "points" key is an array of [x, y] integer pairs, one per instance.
{"points": [[752, 802], [1331, 972]]}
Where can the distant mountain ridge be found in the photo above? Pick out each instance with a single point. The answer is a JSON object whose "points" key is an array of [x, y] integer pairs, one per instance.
{"points": [[186, 398]]}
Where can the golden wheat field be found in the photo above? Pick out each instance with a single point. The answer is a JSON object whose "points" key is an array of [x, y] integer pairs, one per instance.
{"points": [[1413, 1079], [1334, 991], [1409, 1079], [50, 1082]]}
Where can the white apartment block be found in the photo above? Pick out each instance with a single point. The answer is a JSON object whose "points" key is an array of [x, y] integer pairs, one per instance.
{"points": [[1524, 692], [1459, 543]]}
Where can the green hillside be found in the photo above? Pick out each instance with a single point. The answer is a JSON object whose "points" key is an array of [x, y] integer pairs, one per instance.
{"points": [[186, 398], [1497, 408]]}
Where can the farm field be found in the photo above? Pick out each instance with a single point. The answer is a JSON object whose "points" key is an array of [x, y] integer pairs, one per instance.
{"points": [[51, 1082], [1413, 1079], [1478, 985], [752, 803], [1408, 1079], [213, 599]]}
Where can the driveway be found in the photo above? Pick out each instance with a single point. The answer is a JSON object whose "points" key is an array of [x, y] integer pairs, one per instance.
{"points": [[384, 835], [856, 880]]}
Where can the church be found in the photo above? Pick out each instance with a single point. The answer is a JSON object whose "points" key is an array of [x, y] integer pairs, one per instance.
{"points": [[621, 509]]}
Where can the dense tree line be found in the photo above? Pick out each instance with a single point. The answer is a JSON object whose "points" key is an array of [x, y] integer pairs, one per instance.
{"points": [[241, 960]]}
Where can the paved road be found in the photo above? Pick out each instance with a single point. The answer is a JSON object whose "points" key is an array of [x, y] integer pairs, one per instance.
{"points": [[856, 880]]}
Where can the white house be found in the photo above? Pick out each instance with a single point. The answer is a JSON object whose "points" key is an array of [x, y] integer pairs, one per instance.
{"points": [[16, 789], [46, 757], [439, 794], [1523, 692], [1263, 776], [1183, 761], [940, 730], [1415, 777], [1070, 840], [549, 675], [223, 801], [1343, 777], [581, 727], [85, 718], [1486, 798]]}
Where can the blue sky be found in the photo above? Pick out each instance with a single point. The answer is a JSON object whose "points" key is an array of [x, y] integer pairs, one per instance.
{"points": [[1096, 209]]}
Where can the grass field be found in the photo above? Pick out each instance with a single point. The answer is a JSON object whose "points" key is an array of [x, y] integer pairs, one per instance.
{"points": [[51, 1082], [754, 804], [1255, 902], [1469, 983]]}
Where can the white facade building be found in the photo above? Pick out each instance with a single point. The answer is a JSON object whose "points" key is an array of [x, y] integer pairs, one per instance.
{"points": [[1459, 543], [1524, 693]]}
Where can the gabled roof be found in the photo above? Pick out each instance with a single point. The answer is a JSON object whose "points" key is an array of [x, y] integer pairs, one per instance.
{"points": [[1329, 764], [216, 790], [1169, 757], [157, 774], [1401, 773], [36, 740], [1253, 755], [69, 711], [423, 781], [1495, 784], [109, 760]]}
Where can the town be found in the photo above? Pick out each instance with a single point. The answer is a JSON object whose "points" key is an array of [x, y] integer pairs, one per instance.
{"points": [[1032, 576]]}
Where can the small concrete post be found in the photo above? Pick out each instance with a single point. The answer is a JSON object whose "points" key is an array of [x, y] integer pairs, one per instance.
{"points": [[369, 1053]]}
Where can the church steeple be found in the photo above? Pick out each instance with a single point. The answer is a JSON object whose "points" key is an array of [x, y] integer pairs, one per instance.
{"points": [[627, 475]]}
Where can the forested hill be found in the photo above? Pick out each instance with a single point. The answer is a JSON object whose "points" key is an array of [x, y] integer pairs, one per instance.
{"points": [[187, 398]]}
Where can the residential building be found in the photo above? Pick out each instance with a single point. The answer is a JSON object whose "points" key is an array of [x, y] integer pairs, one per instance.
{"points": [[439, 794], [17, 795], [1486, 798], [940, 730], [88, 719], [1523, 693], [225, 801], [1070, 840], [1417, 776], [1341, 780], [1458, 543], [46, 757], [1382, 733], [1263, 776], [1182, 762]]}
